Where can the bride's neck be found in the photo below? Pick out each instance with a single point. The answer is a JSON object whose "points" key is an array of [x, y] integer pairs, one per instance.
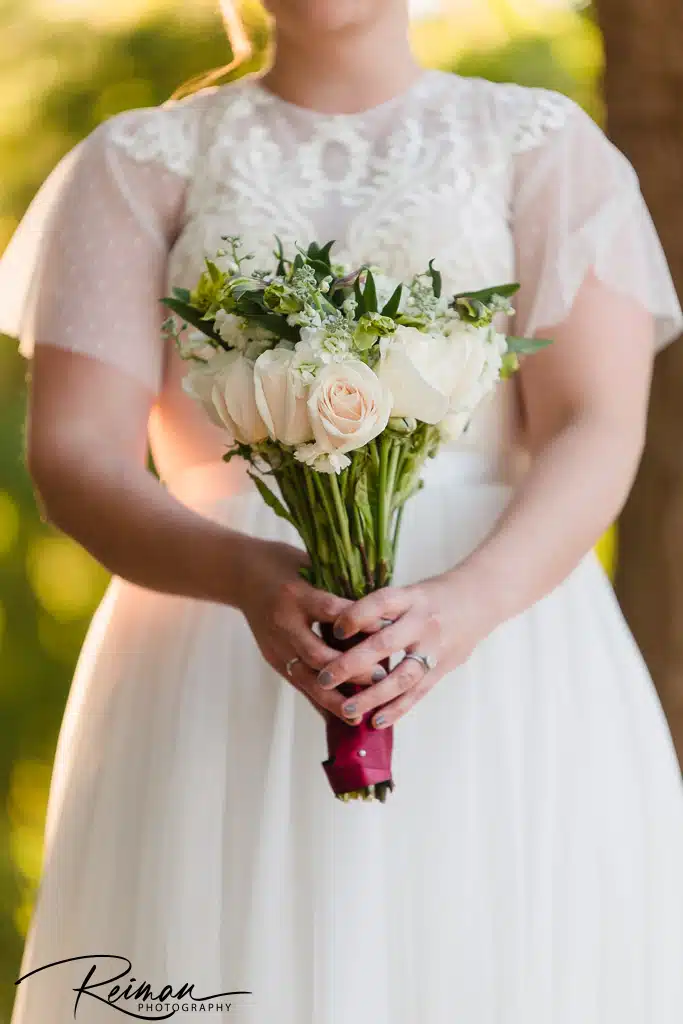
{"points": [[344, 73]]}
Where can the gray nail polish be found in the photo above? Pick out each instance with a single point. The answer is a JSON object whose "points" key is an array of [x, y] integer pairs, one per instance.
{"points": [[379, 720], [349, 709], [378, 674], [324, 678], [339, 632]]}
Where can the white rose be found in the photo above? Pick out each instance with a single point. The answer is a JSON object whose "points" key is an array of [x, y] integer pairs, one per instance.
{"points": [[198, 384], [348, 406], [281, 397], [431, 375], [225, 387]]}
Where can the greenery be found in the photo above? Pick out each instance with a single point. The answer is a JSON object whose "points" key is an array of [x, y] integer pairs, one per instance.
{"points": [[60, 77]]}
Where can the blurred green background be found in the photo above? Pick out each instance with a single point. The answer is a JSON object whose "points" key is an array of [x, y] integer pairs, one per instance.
{"points": [[66, 65]]}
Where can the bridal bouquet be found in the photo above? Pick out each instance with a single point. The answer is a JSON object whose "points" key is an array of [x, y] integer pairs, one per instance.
{"points": [[335, 385]]}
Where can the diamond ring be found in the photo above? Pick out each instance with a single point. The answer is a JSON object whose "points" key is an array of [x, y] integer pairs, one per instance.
{"points": [[426, 660], [290, 665]]}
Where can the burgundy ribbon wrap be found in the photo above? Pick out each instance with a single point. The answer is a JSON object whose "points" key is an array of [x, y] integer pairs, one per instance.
{"points": [[346, 767]]}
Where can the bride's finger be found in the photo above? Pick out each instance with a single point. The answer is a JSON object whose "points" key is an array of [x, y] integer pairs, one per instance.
{"points": [[316, 654], [373, 612], [406, 675], [321, 605], [303, 679], [360, 659]]}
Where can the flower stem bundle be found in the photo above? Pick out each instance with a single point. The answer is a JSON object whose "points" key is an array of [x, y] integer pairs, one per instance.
{"points": [[336, 384]]}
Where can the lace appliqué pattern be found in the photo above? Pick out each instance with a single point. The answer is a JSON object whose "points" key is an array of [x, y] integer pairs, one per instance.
{"points": [[166, 135], [426, 177]]}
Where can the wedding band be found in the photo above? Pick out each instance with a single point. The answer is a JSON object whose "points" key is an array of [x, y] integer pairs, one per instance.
{"points": [[290, 665], [426, 660]]}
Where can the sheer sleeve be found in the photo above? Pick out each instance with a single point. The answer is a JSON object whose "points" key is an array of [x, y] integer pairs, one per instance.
{"points": [[577, 207], [86, 267]]}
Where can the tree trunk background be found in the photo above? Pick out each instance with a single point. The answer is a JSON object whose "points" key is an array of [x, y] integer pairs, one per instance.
{"points": [[644, 97]]}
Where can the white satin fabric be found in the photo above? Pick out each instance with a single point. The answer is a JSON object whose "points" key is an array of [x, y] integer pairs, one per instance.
{"points": [[527, 868]]}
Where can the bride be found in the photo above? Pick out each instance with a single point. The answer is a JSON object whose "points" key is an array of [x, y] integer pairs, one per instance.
{"points": [[527, 868]]}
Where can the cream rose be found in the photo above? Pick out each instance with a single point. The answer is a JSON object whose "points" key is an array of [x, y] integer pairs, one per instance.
{"points": [[225, 387], [281, 397], [432, 375], [198, 384], [348, 406]]}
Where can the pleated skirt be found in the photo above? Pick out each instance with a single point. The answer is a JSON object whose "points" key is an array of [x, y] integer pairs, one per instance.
{"points": [[527, 869]]}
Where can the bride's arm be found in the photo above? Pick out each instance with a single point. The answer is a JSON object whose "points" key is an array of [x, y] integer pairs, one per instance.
{"points": [[87, 451], [585, 406]]}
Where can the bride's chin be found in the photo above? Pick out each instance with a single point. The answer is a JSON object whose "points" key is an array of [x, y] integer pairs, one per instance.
{"points": [[321, 15]]}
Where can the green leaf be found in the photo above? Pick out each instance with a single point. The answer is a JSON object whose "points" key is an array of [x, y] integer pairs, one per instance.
{"points": [[216, 275], [391, 308], [486, 294], [299, 261], [280, 256], [324, 254], [436, 280], [526, 345], [195, 317], [276, 324], [360, 300], [271, 500], [370, 294], [510, 365], [183, 294]]}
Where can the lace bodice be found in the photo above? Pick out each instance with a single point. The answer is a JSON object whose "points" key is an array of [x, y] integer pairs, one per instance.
{"points": [[495, 182]]}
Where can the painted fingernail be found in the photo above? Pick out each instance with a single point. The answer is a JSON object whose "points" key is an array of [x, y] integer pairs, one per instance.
{"points": [[349, 709], [378, 674], [339, 632], [379, 720], [324, 678]]}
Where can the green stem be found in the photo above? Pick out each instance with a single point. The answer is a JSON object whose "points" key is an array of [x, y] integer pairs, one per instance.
{"points": [[343, 522], [344, 579], [397, 527], [382, 513]]}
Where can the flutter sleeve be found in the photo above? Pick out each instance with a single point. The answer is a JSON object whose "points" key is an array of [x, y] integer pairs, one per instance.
{"points": [[577, 208], [86, 267]]}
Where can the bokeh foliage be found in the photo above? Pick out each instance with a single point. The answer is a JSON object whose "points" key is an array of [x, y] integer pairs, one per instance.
{"points": [[59, 77]]}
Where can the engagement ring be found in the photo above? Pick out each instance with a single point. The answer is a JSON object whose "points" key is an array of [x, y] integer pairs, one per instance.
{"points": [[426, 660], [290, 665]]}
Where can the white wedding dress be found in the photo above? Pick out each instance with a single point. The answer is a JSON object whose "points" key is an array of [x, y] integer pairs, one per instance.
{"points": [[528, 868]]}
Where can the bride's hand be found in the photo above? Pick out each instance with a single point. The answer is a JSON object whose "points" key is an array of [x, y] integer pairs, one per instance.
{"points": [[441, 617], [281, 608]]}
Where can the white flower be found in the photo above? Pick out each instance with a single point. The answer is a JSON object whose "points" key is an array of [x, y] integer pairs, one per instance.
{"points": [[231, 330], [324, 343], [225, 262], [431, 375], [195, 343], [348, 406], [198, 384], [225, 387], [453, 425], [321, 461], [281, 397], [250, 339]]}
